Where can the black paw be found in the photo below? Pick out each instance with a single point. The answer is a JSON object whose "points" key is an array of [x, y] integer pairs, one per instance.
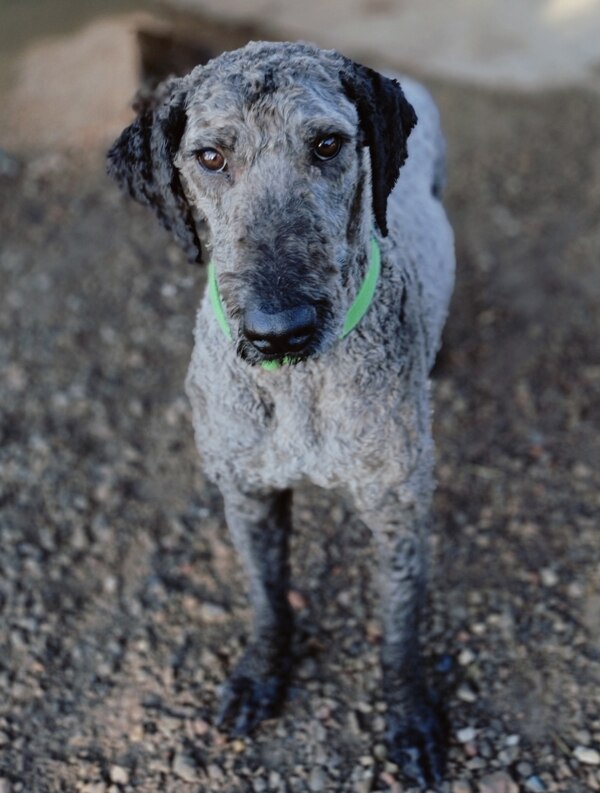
{"points": [[417, 744], [247, 701]]}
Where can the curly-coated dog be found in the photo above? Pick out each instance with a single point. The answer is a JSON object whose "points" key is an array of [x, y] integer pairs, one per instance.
{"points": [[329, 282]]}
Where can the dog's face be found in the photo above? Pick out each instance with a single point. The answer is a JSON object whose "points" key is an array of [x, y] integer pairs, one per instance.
{"points": [[260, 157]]}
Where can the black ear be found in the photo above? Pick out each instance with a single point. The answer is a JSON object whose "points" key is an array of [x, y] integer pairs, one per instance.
{"points": [[141, 161], [386, 119]]}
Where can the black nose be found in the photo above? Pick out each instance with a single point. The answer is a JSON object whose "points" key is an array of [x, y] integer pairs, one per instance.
{"points": [[288, 331]]}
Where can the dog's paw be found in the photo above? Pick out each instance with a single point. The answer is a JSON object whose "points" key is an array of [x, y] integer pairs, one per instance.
{"points": [[247, 701], [417, 744]]}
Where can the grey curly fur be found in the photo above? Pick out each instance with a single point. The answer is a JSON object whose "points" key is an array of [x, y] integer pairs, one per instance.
{"points": [[353, 414]]}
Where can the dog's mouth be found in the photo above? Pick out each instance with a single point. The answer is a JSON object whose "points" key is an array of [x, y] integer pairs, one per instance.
{"points": [[250, 354]]}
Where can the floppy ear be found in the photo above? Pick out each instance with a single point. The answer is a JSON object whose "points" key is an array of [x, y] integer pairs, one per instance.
{"points": [[141, 161], [386, 119]]}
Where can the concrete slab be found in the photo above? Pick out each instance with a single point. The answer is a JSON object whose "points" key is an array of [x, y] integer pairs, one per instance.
{"points": [[523, 44]]}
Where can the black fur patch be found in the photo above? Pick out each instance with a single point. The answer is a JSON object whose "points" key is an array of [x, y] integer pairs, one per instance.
{"points": [[386, 120], [141, 161]]}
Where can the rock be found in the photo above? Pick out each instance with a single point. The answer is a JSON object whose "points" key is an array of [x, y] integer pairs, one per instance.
{"points": [[238, 746], [184, 768], [525, 769], [215, 773], [478, 764], [317, 781], [586, 755], [466, 657], [466, 735], [548, 577], [391, 782], [461, 786], [466, 694], [509, 755], [212, 613], [118, 775], [583, 737], [499, 782], [5, 786], [534, 785]]}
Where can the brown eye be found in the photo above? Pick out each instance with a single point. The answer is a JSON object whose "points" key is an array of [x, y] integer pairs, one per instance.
{"points": [[212, 160], [327, 147]]}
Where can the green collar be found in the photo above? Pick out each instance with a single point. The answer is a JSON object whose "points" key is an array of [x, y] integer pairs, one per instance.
{"points": [[356, 312]]}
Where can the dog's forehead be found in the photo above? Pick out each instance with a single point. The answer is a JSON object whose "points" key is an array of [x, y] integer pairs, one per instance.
{"points": [[275, 83]]}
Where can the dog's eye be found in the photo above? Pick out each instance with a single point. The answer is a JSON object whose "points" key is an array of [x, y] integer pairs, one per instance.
{"points": [[212, 160], [327, 147]]}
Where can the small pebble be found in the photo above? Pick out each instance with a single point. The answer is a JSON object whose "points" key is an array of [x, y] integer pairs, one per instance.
{"points": [[200, 727], [297, 600], [118, 775], [466, 657], [393, 784], [317, 781], [535, 785], [586, 755], [583, 737], [215, 773], [5, 786], [548, 577], [499, 782], [478, 764], [461, 786], [466, 694], [466, 735], [525, 769], [184, 768], [509, 755]]}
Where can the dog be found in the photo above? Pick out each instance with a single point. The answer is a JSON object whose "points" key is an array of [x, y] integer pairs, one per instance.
{"points": [[313, 186]]}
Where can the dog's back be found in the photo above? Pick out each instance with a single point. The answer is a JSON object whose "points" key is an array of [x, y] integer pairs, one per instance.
{"points": [[417, 220]]}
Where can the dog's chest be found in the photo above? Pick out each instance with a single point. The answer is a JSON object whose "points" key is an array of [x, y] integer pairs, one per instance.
{"points": [[298, 426], [290, 433]]}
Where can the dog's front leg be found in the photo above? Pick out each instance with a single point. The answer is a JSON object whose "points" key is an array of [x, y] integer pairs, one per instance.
{"points": [[416, 739], [260, 525]]}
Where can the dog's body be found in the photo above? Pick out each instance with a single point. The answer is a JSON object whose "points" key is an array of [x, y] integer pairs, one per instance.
{"points": [[290, 237]]}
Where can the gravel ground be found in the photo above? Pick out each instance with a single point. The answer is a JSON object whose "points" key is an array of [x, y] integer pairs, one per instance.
{"points": [[122, 604]]}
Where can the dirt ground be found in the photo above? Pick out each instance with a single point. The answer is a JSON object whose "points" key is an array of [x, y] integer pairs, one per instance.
{"points": [[122, 604]]}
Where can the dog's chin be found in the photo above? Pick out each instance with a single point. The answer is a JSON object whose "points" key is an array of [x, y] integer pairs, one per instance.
{"points": [[248, 353]]}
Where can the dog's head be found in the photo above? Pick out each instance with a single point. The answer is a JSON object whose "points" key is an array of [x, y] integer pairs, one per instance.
{"points": [[259, 156]]}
